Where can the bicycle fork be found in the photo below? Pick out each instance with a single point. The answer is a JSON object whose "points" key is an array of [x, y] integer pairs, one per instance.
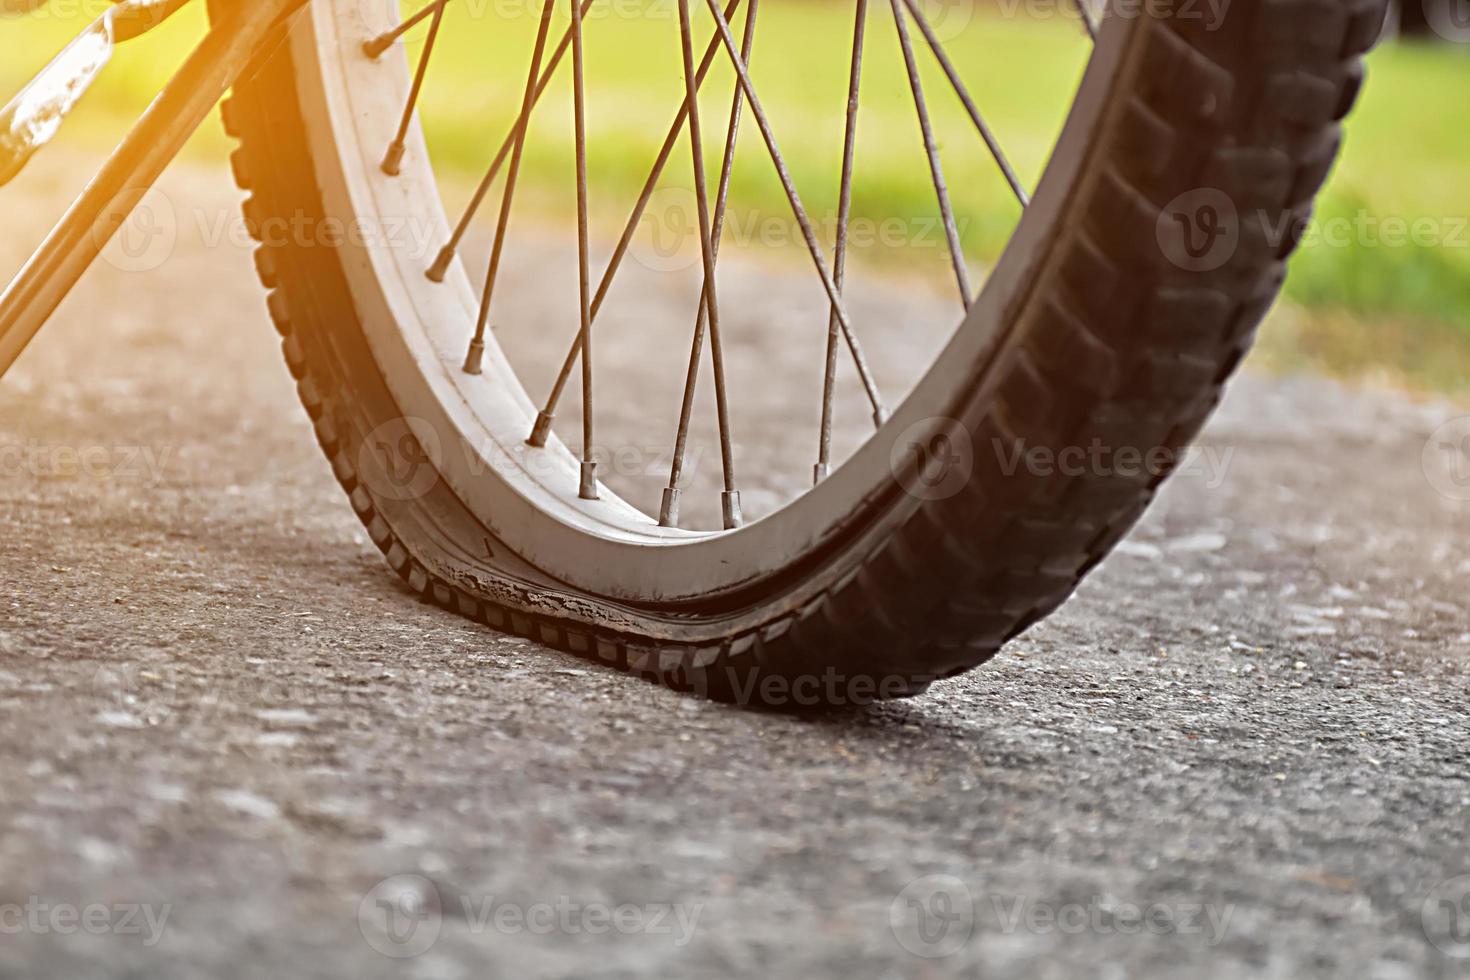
{"points": [[31, 119]]}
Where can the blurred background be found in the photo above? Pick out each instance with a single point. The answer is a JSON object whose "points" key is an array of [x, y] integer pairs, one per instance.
{"points": [[212, 694], [1381, 294]]}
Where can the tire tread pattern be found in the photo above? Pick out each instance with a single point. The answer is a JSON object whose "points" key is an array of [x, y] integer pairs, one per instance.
{"points": [[1128, 350]]}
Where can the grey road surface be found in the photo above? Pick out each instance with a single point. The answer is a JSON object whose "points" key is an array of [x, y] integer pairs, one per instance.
{"points": [[231, 745]]}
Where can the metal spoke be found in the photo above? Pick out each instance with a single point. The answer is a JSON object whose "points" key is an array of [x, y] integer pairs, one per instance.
{"points": [[931, 148], [392, 162], [440, 268], [476, 351], [712, 212], [839, 255], [588, 490], [669, 508], [814, 248], [969, 103], [1089, 23], [542, 428], [375, 47]]}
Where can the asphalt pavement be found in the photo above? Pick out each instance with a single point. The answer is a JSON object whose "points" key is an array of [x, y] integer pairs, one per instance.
{"points": [[233, 745]]}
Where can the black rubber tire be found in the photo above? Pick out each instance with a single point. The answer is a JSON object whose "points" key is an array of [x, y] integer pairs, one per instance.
{"points": [[1117, 343]]}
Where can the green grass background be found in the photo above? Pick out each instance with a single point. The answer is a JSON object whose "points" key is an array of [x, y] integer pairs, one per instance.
{"points": [[1369, 306]]}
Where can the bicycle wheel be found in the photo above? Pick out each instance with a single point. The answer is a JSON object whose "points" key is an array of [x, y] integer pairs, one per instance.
{"points": [[1128, 290]]}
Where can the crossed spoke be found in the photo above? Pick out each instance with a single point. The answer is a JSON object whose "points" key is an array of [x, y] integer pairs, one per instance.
{"points": [[440, 268], [798, 210], [393, 160], [544, 419], [839, 255], [375, 47], [476, 352], [668, 515], [712, 211], [931, 150], [963, 93]]}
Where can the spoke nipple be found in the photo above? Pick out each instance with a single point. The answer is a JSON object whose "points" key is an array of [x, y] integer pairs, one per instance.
{"points": [[374, 49], [730, 504], [541, 429], [440, 268], [476, 355], [668, 511], [393, 162], [589, 480], [880, 415], [820, 472]]}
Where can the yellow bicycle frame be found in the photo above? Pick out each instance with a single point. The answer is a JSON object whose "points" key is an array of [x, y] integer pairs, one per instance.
{"points": [[243, 30]]}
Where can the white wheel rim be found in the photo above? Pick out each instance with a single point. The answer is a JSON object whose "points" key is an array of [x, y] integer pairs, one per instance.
{"points": [[527, 497]]}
